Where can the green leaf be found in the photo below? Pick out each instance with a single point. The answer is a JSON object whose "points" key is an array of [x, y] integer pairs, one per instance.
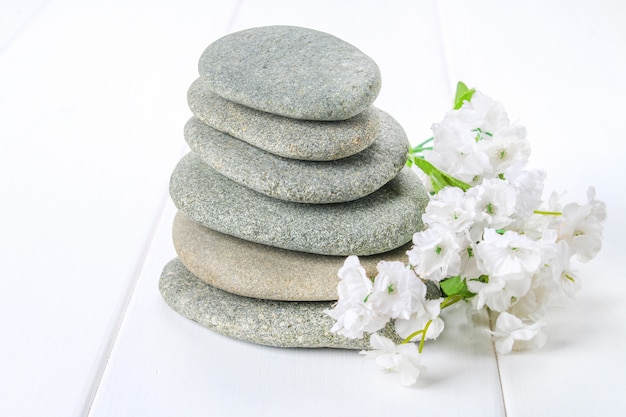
{"points": [[455, 286], [462, 95], [439, 178]]}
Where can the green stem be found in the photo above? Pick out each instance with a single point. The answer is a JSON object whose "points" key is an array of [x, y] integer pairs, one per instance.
{"points": [[424, 336], [421, 332], [411, 336], [421, 147], [548, 213], [448, 301]]}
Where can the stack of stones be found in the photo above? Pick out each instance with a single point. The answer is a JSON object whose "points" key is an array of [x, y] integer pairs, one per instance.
{"points": [[291, 169]]}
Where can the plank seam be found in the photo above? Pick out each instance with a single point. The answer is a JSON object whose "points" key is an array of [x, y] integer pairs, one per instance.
{"points": [[446, 65], [137, 273], [129, 297], [124, 308], [495, 354]]}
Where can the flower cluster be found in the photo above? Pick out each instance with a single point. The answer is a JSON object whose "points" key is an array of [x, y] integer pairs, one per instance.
{"points": [[489, 241]]}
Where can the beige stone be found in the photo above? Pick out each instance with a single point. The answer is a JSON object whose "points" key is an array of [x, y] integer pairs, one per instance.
{"points": [[260, 271]]}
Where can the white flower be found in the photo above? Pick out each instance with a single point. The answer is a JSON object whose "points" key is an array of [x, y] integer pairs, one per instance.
{"points": [[532, 306], [508, 261], [435, 254], [560, 270], [582, 226], [354, 316], [495, 203], [498, 292], [537, 224], [455, 151], [397, 291], [429, 310], [508, 254], [470, 266], [451, 208], [354, 283], [507, 149], [511, 333], [403, 358], [484, 113], [529, 186]]}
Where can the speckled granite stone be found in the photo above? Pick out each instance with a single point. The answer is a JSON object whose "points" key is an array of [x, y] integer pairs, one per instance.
{"points": [[260, 271], [291, 138], [264, 322], [377, 223], [291, 71], [303, 181]]}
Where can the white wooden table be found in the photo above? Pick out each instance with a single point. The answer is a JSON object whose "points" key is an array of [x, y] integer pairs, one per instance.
{"points": [[92, 106]]}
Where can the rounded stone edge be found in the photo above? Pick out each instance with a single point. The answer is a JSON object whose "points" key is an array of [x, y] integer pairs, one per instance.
{"points": [[259, 128], [299, 225], [263, 322], [191, 237], [264, 172], [209, 57]]}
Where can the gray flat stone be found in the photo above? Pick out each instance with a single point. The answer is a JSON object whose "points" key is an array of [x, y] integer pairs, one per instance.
{"points": [[291, 71], [302, 181], [377, 223], [264, 322], [291, 138], [260, 271]]}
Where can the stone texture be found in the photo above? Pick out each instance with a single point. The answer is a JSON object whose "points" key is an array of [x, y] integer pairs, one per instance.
{"points": [[260, 271], [291, 138], [377, 223], [291, 71], [265, 322], [303, 181]]}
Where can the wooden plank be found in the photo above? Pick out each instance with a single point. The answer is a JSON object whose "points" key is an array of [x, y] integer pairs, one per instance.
{"points": [[163, 364], [92, 106], [558, 68]]}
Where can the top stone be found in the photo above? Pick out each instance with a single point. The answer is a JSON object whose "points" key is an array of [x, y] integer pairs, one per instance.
{"points": [[291, 71]]}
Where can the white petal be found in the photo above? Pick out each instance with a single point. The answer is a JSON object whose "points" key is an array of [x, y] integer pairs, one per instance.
{"points": [[504, 345], [383, 343]]}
